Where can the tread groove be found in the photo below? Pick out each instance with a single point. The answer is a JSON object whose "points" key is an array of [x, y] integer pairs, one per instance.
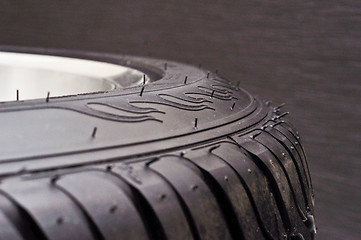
{"points": [[303, 159], [250, 197], [223, 201], [184, 207], [25, 224], [296, 166], [273, 186], [92, 226], [288, 181], [151, 221], [302, 156]]}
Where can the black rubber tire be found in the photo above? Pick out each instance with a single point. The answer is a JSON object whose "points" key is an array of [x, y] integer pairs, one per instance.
{"points": [[189, 156]]}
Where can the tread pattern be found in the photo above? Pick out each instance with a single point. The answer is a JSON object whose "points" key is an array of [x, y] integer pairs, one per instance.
{"points": [[250, 186]]}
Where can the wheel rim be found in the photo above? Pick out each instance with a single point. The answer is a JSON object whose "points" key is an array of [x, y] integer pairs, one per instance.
{"points": [[30, 76]]}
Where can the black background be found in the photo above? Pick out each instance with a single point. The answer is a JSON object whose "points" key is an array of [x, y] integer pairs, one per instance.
{"points": [[304, 53]]}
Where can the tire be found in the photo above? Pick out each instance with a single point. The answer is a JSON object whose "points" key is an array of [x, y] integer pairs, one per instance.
{"points": [[187, 155]]}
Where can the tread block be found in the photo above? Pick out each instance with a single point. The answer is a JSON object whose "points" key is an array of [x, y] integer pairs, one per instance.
{"points": [[300, 163], [231, 192], [257, 189], [288, 164], [292, 217], [295, 141], [107, 205], [54, 213], [196, 194], [7, 229], [160, 196]]}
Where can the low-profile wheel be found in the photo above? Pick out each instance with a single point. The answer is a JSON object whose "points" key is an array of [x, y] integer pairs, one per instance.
{"points": [[103, 146]]}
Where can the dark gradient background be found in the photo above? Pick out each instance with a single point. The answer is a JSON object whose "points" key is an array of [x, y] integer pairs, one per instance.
{"points": [[304, 53]]}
